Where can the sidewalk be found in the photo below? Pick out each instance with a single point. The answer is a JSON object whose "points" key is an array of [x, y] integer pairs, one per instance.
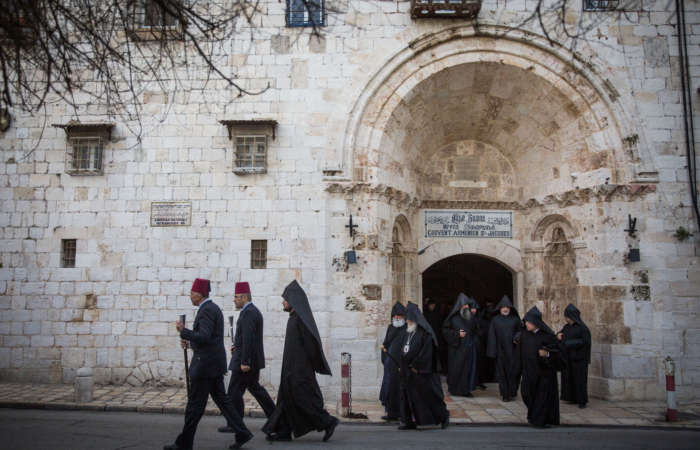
{"points": [[485, 408]]}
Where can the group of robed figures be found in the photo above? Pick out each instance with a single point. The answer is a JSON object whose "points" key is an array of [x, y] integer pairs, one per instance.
{"points": [[526, 354]]}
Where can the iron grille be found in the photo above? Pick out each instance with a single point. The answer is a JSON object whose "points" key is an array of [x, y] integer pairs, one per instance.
{"points": [[154, 16], [18, 24], [445, 9], [68, 250], [85, 155], [251, 152], [258, 255], [600, 5], [305, 13]]}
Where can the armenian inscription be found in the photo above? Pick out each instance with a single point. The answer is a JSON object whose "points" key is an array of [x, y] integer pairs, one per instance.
{"points": [[171, 214], [468, 224]]}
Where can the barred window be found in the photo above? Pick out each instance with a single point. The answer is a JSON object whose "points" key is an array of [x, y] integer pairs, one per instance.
{"points": [[258, 255], [600, 5], [85, 155], [305, 13], [251, 152], [68, 249], [153, 15]]}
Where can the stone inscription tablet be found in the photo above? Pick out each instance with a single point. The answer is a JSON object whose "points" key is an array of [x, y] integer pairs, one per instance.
{"points": [[468, 224], [171, 214]]}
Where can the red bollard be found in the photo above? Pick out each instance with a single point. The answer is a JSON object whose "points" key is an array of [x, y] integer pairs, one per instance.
{"points": [[345, 384], [671, 414]]}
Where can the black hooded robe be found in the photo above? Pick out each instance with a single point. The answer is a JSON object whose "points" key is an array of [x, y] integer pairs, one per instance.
{"points": [[482, 331], [539, 387], [300, 407], [576, 351], [390, 393], [422, 397], [461, 374], [435, 318], [488, 374], [501, 347]]}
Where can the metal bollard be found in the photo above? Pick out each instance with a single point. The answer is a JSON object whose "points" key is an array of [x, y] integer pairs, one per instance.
{"points": [[84, 385], [671, 415], [345, 384]]}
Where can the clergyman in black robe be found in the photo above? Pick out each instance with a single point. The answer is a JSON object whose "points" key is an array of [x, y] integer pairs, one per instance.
{"points": [[482, 331], [435, 317], [300, 407], [390, 394], [537, 359], [505, 324], [489, 370], [575, 342], [460, 330], [422, 398]]}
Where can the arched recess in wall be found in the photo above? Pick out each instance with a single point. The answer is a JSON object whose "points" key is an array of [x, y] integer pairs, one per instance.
{"points": [[402, 261]]}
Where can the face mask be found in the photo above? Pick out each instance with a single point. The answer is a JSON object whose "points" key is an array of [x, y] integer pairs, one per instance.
{"points": [[411, 327], [398, 323]]}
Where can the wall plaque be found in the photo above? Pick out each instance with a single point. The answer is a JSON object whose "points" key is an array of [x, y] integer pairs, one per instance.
{"points": [[171, 214], [468, 224]]}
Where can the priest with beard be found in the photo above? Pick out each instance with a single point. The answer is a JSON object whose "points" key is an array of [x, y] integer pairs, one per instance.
{"points": [[501, 347], [460, 330], [390, 394], [300, 408], [575, 342], [422, 398], [537, 359]]}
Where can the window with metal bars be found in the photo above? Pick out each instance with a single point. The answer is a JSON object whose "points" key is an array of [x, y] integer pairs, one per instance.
{"points": [[258, 255], [600, 5], [305, 13], [85, 155], [153, 15], [68, 250], [251, 152]]}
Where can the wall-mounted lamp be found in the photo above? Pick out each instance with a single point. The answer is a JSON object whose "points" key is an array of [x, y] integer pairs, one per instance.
{"points": [[351, 257]]}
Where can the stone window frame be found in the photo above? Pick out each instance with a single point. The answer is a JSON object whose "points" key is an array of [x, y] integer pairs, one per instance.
{"points": [[144, 31], [69, 250], [302, 16], [250, 129], [258, 254], [85, 146]]}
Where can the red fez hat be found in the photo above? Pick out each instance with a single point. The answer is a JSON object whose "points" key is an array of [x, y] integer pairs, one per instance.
{"points": [[242, 288], [201, 286]]}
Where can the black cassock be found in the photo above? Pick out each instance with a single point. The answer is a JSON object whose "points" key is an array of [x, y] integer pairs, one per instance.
{"points": [[539, 386], [576, 351], [482, 331], [423, 400], [390, 393], [501, 347], [461, 374], [300, 408]]}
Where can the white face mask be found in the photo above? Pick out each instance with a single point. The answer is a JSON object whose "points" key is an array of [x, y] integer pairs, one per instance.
{"points": [[411, 327], [398, 323]]}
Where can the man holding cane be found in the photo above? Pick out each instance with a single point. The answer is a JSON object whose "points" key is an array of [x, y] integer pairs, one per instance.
{"points": [[207, 370]]}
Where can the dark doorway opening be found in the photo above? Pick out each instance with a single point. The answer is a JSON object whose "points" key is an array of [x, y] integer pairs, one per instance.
{"points": [[475, 276]]}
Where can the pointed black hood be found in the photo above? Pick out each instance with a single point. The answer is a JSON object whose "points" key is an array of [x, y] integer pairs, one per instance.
{"points": [[296, 297], [461, 301], [574, 314], [506, 303], [473, 304], [414, 315], [534, 316], [398, 309]]}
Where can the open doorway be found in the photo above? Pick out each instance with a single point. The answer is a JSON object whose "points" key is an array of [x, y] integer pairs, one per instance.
{"points": [[474, 275]]}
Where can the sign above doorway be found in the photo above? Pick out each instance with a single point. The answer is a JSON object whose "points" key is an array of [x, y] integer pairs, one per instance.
{"points": [[440, 224]]}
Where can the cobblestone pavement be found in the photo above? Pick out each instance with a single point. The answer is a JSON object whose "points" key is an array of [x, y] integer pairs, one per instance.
{"points": [[485, 408]]}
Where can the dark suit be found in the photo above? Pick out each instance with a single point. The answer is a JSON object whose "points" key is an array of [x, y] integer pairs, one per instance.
{"points": [[249, 351], [207, 373]]}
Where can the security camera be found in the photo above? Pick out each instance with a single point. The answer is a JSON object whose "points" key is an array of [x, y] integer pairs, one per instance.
{"points": [[574, 175]]}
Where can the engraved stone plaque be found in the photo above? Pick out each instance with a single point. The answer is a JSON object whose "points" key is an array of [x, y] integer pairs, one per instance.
{"points": [[171, 214]]}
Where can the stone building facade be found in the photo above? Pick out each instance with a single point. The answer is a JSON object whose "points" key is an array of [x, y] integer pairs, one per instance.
{"points": [[383, 117]]}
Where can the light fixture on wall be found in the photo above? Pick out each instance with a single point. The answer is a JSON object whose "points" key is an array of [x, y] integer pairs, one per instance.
{"points": [[351, 257]]}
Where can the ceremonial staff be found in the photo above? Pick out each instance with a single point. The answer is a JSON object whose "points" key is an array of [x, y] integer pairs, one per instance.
{"points": [[230, 322], [392, 359], [183, 317]]}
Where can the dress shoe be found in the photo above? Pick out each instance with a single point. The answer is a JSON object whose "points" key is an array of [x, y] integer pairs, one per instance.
{"points": [[176, 447], [469, 395], [446, 423], [226, 429], [545, 426], [239, 442], [330, 430], [482, 386], [389, 419], [582, 406], [407, 427], [279, 438]]}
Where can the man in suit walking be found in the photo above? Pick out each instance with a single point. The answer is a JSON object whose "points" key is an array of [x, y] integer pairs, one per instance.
{"points": [[207, 370], [248, 356]]}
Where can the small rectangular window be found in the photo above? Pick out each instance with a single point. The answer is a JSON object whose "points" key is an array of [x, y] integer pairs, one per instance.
{"points": [[305, 13], [68, 249], [85, 155], [258, 255], [251, 152], [153, 15], [600, 5]]}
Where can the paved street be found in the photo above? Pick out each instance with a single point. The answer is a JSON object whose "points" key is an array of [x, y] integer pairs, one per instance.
{"points": [[77, 430]]}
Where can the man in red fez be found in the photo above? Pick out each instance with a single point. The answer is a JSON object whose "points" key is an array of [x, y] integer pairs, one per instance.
{"points": [[207, 370], [248, 356]]}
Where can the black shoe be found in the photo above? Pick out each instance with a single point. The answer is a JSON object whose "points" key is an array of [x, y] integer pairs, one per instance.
{"points": [[482, 386], [469, 395], [545, 426], [582, 406], [389, 419], [239, 443], [446, 423], [176, 447], [226, 429], [330, 430], [279, 438], [407, 427]]}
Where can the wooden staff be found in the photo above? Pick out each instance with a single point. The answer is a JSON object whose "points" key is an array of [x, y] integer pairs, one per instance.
{"points": [[183, 317]]}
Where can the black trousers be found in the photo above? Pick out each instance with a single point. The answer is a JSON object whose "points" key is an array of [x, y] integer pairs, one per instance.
{"points": [[240, 381], [200, 390]]}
